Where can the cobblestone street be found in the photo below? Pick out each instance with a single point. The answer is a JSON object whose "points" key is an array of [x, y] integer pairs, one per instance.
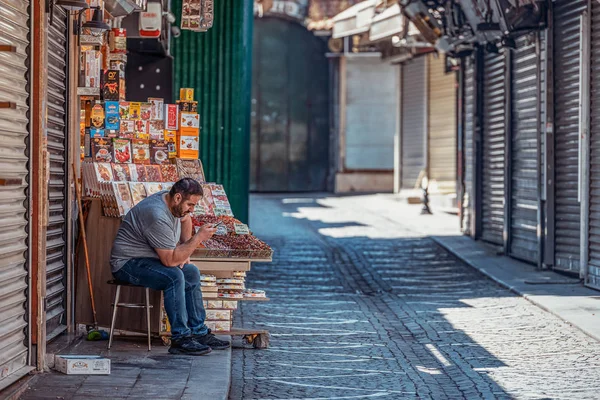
{"points": [[365, 305]]}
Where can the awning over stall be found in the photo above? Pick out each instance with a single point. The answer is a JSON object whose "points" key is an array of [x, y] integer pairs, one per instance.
{"points": [[389, 23], [354, 20]]}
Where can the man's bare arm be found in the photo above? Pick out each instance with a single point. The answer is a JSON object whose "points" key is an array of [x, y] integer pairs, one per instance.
{"points": [[181, 253], [187, 229]]}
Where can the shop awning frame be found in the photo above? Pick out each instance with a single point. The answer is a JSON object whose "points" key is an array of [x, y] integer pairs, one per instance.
{"points": [[355, 20], [390, 23]]}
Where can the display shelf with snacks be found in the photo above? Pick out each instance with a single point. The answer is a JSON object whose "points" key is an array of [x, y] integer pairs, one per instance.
{"points": [[134, 149]]}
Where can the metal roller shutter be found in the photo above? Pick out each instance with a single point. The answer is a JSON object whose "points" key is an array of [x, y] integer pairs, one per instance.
{"points": [[566, 127], [469, 129], [14, 136], [413, 121], [494, 133], [442, 127], [57, 149], [524, 154], [593, 276]]}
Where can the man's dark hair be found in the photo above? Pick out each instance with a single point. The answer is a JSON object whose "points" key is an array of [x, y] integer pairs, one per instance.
{"points": [[187, 187]]}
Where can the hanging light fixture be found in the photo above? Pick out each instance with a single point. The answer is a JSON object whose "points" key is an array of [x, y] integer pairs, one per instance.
{"points": [[97, 24], [73, 5]]}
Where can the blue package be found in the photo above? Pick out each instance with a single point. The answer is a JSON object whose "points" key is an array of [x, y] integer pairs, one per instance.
{"points": [[94, 133], [111, 110], [112, 122]]}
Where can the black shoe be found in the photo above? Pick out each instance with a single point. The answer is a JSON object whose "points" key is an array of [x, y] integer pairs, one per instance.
{"points": [[188, 346], [211, 340]]}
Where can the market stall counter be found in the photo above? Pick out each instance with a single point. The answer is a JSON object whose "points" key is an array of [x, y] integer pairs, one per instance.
{"points": [[223, 277]]}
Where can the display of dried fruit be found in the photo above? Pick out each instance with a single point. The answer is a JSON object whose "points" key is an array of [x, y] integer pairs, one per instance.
{"points": [[141, 173], [169, 173], [229, 222], [153, 173], [190, 169], [237, 246], [138, 192], [121, 172]]}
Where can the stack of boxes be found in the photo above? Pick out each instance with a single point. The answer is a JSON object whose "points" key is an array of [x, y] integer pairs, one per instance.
{"points": [[188, 134], [219, 313]]}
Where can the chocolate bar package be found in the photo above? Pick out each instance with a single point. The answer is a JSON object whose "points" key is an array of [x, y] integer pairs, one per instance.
{"points": [[156, 129], [141, 129], [157, 109], [110, 89], [124, 109], [159, 152], [97, 116], [102, 150], [141, 151], [171, 117], [145, 111], [135, 110], [127, 129]]}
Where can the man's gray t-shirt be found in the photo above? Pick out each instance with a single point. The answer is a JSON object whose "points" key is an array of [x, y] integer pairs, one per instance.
{"points": [[149, 225]]}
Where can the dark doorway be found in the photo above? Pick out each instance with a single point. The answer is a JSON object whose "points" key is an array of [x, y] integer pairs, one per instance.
{"points": [[290, 115]]}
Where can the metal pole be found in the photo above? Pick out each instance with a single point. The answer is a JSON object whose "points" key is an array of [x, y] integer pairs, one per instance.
{"points": [[584, 141], [460, 153], [549, 185], [508, 57], [540, 176], [425, 186], [476, 221]]}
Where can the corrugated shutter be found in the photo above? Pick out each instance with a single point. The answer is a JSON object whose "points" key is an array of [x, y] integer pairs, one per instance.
{"points": [[57, 226], [524, 154], [566, 127], [494, 133], [442, 127], [14, 136], [469, 130], [413, 121], [593, 278]]}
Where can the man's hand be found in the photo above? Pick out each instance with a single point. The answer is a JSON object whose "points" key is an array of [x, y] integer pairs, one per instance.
{"points": [[205, 232], [186, 262], [180, 255]]}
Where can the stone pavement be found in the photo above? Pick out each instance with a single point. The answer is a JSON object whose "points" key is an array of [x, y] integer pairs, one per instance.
{"points": [[137, 373], [366, 305], [563, 296]]}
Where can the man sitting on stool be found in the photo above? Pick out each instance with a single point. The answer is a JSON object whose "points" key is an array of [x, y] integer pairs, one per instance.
{"points": [[153, 249]]}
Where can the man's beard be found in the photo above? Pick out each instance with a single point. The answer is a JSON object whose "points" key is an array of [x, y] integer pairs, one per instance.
{"points": [[179, 211]]}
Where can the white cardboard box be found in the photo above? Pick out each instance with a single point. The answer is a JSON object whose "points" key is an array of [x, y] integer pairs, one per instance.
{"points": [[82, 365]]}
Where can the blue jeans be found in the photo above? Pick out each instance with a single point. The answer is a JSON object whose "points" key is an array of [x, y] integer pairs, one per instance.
{"points": [[181, 287]]}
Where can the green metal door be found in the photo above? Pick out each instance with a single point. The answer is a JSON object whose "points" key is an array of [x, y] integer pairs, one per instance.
{"points": [[290, 118]]}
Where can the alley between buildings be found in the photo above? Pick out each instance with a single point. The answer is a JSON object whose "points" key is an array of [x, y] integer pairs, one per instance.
{"points": [[364, 304]]}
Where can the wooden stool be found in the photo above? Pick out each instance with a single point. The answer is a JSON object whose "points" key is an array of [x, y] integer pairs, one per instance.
{"points": [[116, 305]]}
